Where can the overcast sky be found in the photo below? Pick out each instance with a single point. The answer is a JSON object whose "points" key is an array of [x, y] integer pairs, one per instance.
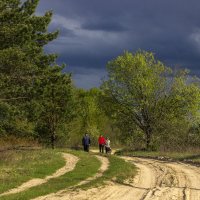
{"points": [[92, 32]]}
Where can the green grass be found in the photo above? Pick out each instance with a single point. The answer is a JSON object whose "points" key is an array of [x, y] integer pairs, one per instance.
{"points": [[119, 170], [17, 167], [197, 159], [177, 156], [86, 167]]}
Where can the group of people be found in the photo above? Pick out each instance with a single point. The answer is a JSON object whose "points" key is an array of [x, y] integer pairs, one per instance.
{"points": [[104, 143]]}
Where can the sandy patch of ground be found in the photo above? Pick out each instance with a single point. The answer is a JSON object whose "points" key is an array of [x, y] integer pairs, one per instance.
{"points": [[71, 161]]}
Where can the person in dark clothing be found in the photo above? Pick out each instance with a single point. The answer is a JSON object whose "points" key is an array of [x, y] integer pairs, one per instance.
{"points": [[86, 142], [102, 142]]}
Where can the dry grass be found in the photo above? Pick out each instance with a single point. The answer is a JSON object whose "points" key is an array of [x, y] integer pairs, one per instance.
{"points": [[11, 142]]}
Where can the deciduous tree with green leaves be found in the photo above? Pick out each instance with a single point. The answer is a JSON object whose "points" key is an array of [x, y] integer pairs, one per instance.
{"points": [[148, 93]]}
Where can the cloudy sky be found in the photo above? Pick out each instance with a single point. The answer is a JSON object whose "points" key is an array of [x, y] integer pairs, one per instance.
{"points": [[92, 32]]}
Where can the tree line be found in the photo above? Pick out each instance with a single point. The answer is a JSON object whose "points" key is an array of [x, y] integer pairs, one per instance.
{"points": [[142, 103]]}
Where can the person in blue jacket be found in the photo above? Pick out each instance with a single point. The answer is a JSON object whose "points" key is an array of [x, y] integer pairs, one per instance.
{"points": [[86, 142]]}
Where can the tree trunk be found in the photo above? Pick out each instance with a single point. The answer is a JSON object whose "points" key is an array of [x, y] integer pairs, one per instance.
{"points": [[53, 141], [148, 139], [53, 136]]}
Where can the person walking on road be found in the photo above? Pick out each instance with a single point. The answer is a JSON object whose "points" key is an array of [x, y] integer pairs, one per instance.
{"points": [[102, 142], [86, 142], [107, 145]]}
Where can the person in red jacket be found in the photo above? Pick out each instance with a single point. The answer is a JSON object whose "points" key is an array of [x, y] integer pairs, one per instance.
{"points": [[102, 142]]}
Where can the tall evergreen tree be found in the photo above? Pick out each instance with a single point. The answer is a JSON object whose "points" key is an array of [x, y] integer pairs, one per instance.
{"points": [[55, 105], [30, 79], [22, 38]]}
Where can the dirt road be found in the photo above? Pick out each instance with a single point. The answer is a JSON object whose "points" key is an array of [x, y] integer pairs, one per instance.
{"points": [[164, 180], [156, 180]]}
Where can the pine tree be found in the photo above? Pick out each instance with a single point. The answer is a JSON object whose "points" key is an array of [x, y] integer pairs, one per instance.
{"points": [[22, 38], [30, 79]]}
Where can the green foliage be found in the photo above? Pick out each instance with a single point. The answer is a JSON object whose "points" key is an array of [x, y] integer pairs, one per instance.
{"points": [[89, 116], [89, 110], [4, 117], [55, 104], [32, 86], [22, 37], [144, 94]]}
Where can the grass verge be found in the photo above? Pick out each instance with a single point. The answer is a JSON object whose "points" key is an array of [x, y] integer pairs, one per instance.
{"points": [[86, 167], [188, 157], [119, 170], [17, 167]]}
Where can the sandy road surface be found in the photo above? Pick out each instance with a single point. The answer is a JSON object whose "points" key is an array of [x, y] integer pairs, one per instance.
{"points": [[70, 160], [166, 181], [156, 180]]}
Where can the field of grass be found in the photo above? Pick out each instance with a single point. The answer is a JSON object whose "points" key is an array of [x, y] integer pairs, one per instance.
{"points": [[193, 157], [86, 167], [17, 167]]}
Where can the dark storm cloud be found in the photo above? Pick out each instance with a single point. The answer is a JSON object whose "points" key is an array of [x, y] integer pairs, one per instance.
{"points": [[103, 25], [92, 32]]}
